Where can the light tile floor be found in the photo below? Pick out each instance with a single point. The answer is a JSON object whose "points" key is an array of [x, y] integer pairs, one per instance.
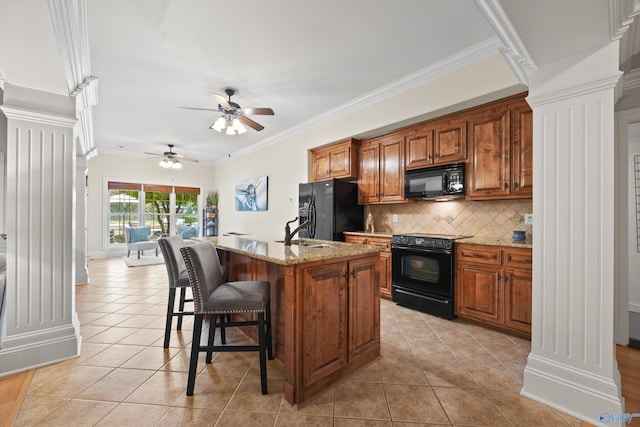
{"points": [[431, 372]]}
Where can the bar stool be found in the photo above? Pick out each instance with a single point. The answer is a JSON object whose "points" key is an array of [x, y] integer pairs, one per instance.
{"points": [[217, 298], [178, 278]]}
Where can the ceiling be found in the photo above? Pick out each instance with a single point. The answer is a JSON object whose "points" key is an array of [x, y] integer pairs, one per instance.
{"points": [[305, 59]]}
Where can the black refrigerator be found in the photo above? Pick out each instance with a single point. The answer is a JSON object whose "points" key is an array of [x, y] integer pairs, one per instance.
{"points": [[332, 208]]}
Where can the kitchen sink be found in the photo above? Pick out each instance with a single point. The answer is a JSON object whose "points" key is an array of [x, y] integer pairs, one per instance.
{"points": [[307, 244]]}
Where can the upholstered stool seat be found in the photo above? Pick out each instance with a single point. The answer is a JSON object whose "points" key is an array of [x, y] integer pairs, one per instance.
{"points": [[215, 297], [178, 278]]}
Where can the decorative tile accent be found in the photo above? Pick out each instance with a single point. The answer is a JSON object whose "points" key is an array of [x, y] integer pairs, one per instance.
{"points": [[492, 218]]}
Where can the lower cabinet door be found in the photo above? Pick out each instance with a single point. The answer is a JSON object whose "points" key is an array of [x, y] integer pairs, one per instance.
{"points": [[479, 293], [517, 299], [364, 307], [323, 325]]}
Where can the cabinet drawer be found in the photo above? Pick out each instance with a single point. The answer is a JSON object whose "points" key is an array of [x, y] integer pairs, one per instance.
{"points": [[480, 254], [381, 242], [361, 240], [518, 257]]}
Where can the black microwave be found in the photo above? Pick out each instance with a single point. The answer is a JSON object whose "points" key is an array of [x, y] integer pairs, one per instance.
{"points": [[435, 183]]}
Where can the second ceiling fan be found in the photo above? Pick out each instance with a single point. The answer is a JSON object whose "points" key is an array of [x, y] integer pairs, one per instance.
{"points": [[233, 116]]}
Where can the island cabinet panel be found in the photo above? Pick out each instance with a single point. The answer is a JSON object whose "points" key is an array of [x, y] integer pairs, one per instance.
{"points": [[336, 325], [323, 307], [493, 286], [364, 307], [384, 265]]}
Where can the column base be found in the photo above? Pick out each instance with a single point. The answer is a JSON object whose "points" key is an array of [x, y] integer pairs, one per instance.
{"points": [[577, 392]]}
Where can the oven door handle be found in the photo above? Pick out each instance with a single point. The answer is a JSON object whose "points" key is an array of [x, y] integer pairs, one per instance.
{"points": [[423, 250], [444, 300]]}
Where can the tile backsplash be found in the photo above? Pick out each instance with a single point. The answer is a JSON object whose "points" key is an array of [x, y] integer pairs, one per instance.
{"points": [[495, 218]]}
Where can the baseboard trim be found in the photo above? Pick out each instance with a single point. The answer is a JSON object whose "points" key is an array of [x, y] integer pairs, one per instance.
{"points": [[33, 350], [577, 392]]}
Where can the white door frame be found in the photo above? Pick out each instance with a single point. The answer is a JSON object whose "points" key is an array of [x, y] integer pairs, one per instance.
{"points": [[623, 120]]}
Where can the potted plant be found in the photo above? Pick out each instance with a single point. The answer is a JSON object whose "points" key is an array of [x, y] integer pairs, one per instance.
{"points": [[212, 199]]}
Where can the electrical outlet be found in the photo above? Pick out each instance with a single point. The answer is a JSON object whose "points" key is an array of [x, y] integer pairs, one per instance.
{"points": [[394, 218], [528, 219]]}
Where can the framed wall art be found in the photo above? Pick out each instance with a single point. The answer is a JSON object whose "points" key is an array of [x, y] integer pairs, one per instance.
{"points": [[251, 195]]}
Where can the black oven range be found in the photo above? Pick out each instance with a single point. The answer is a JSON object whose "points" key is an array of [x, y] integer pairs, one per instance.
{"points": [[422, 272]]}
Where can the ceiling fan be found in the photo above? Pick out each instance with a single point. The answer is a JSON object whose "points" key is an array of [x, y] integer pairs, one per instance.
{"points": [[233, 116], [170, 159]]}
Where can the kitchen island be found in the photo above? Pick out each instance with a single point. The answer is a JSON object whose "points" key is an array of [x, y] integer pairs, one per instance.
{"points": [[325, 304]]}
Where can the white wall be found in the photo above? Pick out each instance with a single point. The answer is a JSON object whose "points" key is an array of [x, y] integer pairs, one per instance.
{"points": [[286, 163], [128, 169]]}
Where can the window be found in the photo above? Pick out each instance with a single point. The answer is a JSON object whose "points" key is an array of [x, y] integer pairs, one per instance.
{"points": [[186, 211], [164, 209], [124, 201], [157, 209]]}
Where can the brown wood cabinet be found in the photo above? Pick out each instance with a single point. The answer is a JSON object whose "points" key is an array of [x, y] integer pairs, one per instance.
{"points": [[493, 286], [340, 319], [381, 178], [335, 160], [441, 142], [501, 151], [384, 265]]}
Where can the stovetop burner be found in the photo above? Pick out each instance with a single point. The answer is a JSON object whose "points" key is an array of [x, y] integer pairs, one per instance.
{"points": [[425, 240], [435, 236]]}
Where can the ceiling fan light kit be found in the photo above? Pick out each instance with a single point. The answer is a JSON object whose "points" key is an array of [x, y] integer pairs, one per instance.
{"points": [[229, 125], [170, 158], [234, 118], [170, 164]]}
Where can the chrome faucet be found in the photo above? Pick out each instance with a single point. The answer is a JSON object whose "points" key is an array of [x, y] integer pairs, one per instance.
{"points": [[288, 235]]}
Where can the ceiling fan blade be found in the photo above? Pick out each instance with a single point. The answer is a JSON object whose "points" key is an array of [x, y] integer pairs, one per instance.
{"points": [[186, 159], [258, 111], [222, 101], [196, 108], [154, 154], [252, 124]]}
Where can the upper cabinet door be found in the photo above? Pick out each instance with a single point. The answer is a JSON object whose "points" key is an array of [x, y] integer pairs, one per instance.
{"points": [[335, 160], [522, 151], [489, 174], [419, 148], [368, 180], [450, 142], [392, 169]]}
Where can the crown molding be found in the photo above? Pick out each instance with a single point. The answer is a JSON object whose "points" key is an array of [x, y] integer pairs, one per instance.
{"points": [[631, 81], [609, 82], [621, 15], [460, 60], [69, 18], [34, 116], [514, 51]]}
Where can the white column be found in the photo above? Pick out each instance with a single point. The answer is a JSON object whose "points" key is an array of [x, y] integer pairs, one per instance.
{"points": [[42, 326], [572, 363], [82, 273]]}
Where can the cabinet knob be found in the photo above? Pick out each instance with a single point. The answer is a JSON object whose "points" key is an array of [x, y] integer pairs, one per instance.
{"points": [[346, 276], [506, 185], [353, 274]]}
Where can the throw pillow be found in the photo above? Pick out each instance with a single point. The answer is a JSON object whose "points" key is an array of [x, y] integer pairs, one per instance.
{"points": [[189, 232], [138, 234]]}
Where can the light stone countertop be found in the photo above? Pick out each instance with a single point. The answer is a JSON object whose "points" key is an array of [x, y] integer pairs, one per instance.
{"points": [[497, 241], [474, 240], [272, 249], [370, 234]]}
